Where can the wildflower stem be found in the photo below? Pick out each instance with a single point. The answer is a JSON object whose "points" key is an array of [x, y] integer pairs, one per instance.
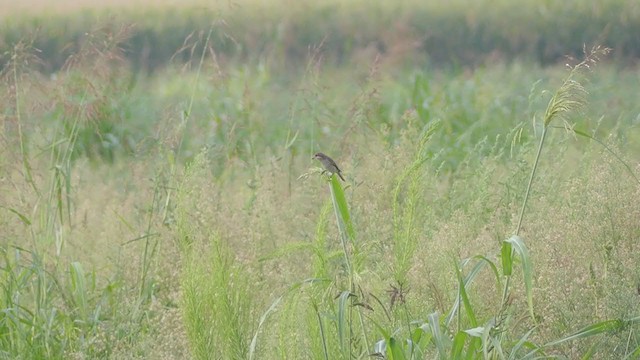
{"points": [[533, 173]]}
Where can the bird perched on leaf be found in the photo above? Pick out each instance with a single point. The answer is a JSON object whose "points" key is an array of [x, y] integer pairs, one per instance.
{"points": [[328, 164]]}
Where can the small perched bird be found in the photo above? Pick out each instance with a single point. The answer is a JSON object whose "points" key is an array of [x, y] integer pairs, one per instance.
{"points": [[328, 164]]}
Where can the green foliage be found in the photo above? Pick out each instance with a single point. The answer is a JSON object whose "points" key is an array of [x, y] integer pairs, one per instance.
{"points": [[217, 305], [194, 237], [458, 32], [406, 202], [216, 298], [48, 315]]}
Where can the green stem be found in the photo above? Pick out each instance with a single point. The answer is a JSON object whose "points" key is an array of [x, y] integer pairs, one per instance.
{"points": [[346, 234], [343, 237], [364, 332], [533, 172], [23, 147], [183, 125], [505, 292]]}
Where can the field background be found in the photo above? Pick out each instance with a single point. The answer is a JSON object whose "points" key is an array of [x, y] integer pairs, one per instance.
{"points": [[158, 199]]}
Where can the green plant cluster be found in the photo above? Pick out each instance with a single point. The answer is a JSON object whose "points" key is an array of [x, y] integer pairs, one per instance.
{"points": [[180, 215], [459, 32]]}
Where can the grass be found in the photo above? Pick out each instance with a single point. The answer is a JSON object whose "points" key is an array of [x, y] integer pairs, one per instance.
{"points": [[459, 33], [179, 214]]}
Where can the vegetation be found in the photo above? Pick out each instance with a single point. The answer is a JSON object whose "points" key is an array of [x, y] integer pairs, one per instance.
{"points": [[459, 32], [490, 208]]}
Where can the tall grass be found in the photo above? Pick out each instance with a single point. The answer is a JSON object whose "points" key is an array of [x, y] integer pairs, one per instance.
{"points": [[202, 239], [42, 311], [341, 308], [54, 305], [458, 32]]}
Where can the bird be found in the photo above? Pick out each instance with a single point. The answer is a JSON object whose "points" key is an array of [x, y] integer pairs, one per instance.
{"points": [[328, 164]]}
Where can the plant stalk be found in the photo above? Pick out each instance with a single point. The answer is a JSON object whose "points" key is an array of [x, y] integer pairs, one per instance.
{"points": [[533, 173]]}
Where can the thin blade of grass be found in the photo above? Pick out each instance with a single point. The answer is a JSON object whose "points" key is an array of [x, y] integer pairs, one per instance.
{"points": [[523, 340], [584, 134], [263, 318], [343, 321], [79, 289], [458, 345], [474, 347], [469, 278], [589, 354], [25, 220], [527, 269], [635, 354], [345, 227], [479, 266], [591, 330], [288, 250], [462, 294], [342, 209], [323, 336], [439, 338], [394, 349], [507, 258]]}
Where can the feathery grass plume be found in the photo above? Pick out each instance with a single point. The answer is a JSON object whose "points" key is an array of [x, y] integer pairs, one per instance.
{"points": [[216, 302], [406, 200], [13, 77], [57, 313], [216, 295], [571, 96]]}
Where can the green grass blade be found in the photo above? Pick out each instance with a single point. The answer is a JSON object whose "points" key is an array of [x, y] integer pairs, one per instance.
{"points": [[288, 250], [25, 220], [626, 166], [341, 207], [480, 265], [344, 332], [458, 345], [507, 258], [263, 318], [635, 354], [591, 330], [600, 328], [323, 335], [523, 340], [475, 345], [345, 227], [439, 338], [386, 334], [416, 351], [527, 269], [394, 349], [462, 294], [589, 354], [469, 278], [79, 289]]}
